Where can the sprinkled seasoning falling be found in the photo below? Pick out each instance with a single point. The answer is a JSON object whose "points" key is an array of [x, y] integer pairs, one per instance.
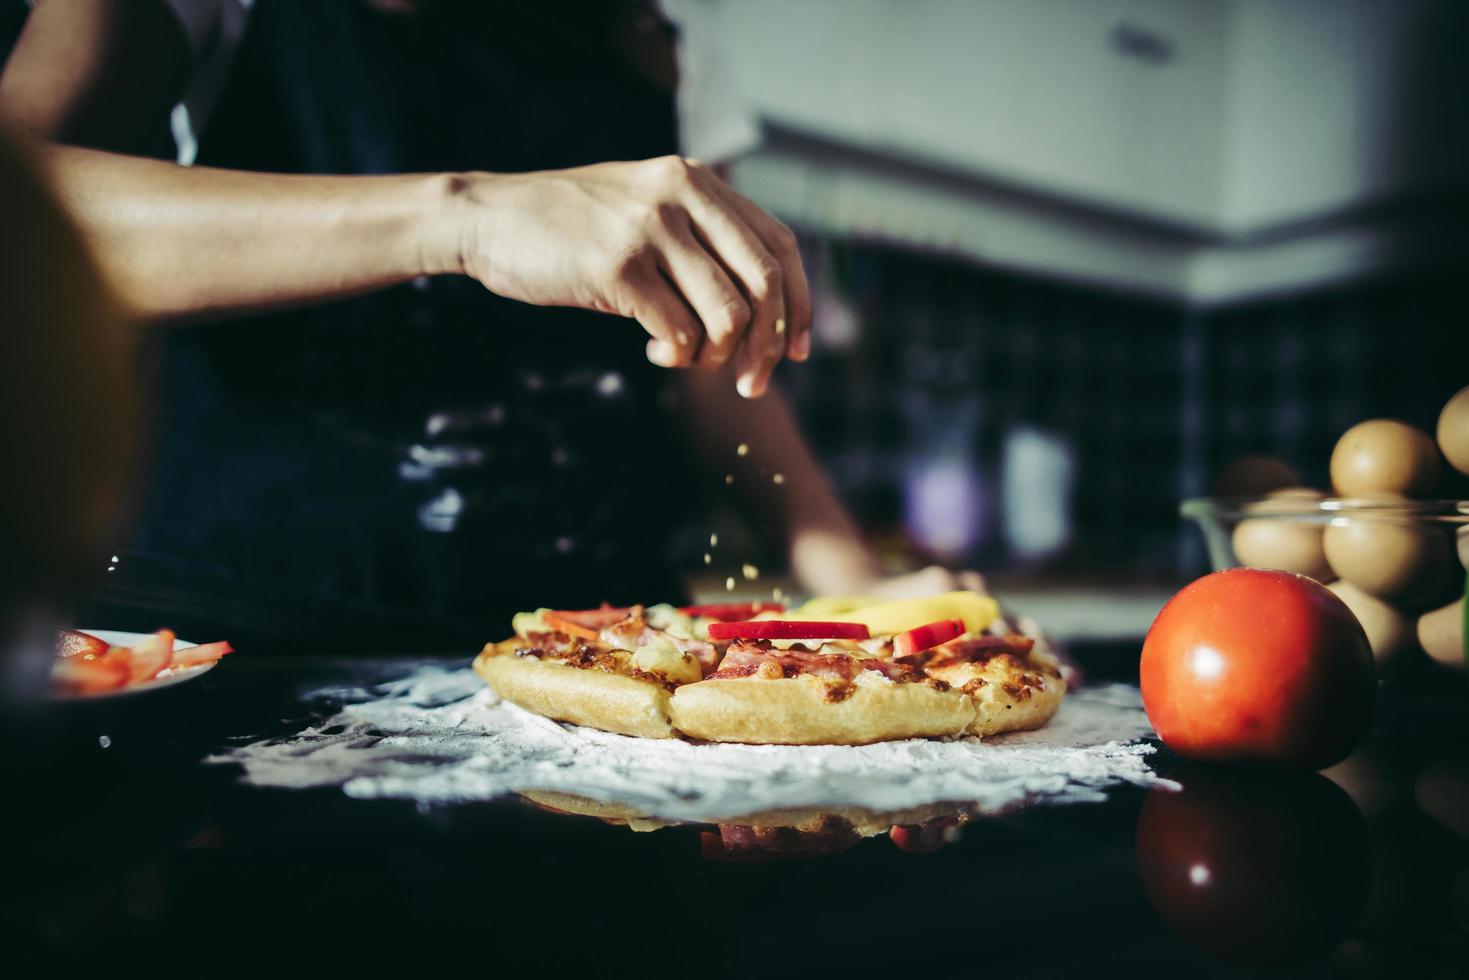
{"points": [[743, 449], [750, 572], [778, 479], [729, 584], [708, 558], [714, 541], [729, 480], [777, 594]]}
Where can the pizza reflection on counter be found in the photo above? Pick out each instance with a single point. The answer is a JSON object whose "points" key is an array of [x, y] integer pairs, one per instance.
{"points": [[784, 835]]}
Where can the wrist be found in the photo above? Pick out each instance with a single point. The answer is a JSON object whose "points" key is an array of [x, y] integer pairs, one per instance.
{"points": [[446, 227], [833, 563]]}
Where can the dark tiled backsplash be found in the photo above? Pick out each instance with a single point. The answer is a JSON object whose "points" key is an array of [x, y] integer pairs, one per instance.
{"points": [[1010, 422]]}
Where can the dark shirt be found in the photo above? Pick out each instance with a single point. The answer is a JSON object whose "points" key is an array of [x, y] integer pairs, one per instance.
{"points": [[415, 465]]}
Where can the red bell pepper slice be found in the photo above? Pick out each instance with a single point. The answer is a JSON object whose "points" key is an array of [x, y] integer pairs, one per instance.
{"points": [[726, 612], [150, 655], [787, 629], [928, 635], [203, 654]]}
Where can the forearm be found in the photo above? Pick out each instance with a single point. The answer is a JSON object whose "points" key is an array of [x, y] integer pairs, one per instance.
{"points": [[185, 242], [780, 479]]}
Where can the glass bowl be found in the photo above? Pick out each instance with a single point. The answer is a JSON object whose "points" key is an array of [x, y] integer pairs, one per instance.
{"points": [[1397, 563]]}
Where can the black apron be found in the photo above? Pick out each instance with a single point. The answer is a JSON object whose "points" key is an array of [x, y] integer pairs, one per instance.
{"points": [[403, 471]]}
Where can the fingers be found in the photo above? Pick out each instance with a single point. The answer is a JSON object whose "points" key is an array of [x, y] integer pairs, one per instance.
{"points": [[673, 328], [709, 291], [973, 581], [761, 277], [932, 580], [735, 273], [781, 244]]}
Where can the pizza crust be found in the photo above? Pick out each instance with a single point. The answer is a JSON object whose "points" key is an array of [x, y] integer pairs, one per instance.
{"points": [[1017, 694], [594, 698], [796, 711]]}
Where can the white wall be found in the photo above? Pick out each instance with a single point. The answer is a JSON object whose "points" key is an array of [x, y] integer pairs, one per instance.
{"points": [[1333, 104], [1246, 120]]}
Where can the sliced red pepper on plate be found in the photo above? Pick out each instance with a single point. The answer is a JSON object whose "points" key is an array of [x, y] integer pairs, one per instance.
{"points": [[585, 623], [150, 655], [787, 629], [201, 654], [726, 612], [91, 673], [925, 636]]}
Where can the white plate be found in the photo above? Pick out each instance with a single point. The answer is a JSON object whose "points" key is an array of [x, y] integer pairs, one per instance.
{"points": [[169, 677]]}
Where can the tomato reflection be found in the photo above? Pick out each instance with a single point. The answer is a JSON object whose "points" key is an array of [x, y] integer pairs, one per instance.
{"points": [[1257, 868]]}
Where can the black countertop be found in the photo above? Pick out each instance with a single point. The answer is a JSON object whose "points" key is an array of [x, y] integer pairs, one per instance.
{"points": [[123, 846]]}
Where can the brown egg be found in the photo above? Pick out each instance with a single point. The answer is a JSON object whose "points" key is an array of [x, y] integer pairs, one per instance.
{"points": [[1253, 476], [1391, 633], [1441, 634], [1384, 456], [1453, 431], [1398, 562], [1284, 542]]}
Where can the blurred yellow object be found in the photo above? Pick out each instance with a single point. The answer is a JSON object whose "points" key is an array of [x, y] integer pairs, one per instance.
{"points": [[977, 611], [831, 605]]}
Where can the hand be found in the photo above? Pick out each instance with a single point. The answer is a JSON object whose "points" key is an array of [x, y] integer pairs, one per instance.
{"points": [[710, 276], [932, 580]]}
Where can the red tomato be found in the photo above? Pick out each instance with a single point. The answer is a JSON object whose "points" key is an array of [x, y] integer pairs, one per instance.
{"points": [[1259, 667]]}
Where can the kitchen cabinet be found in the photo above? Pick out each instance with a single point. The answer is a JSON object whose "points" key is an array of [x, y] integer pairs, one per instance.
{"points": [[1208, 150]]}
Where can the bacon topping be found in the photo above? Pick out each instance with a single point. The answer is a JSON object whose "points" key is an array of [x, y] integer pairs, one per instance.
{"points": [[634, 632], [747, 657], [574, 652], [971, 650], [796, 660]]}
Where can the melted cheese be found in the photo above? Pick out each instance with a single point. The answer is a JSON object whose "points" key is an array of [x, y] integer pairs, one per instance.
{"points": [[662, 657], [526, 623]]}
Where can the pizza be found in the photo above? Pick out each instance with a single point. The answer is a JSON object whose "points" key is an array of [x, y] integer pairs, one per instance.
{"points": [[842, 672]]}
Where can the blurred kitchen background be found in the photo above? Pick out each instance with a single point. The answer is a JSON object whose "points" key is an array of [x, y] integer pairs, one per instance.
{"points": [[1072, 258]]}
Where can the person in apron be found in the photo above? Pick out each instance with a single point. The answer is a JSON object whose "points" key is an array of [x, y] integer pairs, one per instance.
{"points": [[407, 468]]}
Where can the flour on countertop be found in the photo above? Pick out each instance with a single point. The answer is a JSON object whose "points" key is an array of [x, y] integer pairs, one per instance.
{"points": [[441, 736]]}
